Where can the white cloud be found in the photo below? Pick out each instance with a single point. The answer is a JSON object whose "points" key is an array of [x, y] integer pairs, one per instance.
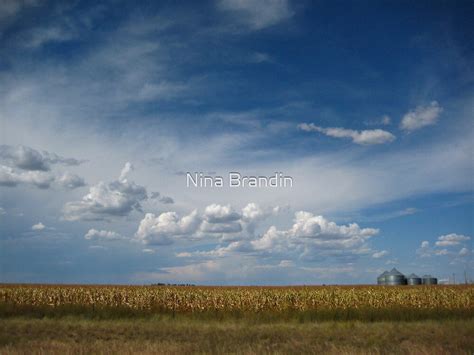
{"points": [[220, 214], [217, 221], [315, 237], [310, 236], [38, 226], [148, 251], [364, 137], [94, 234], [464, 252], [220, 227], [27, 158], [126, 170], [41, 179], [425, 250], [421, 116], [379, 254], [448, 240], [70, 181], [258, 14], [117, 198], [162, 199], [184, 254], [451, 240], [286, 263], [11, 178], [162, 229], [30, 166]]}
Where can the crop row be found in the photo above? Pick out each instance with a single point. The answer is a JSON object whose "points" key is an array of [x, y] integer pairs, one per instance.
{"points": [[199, 299]]}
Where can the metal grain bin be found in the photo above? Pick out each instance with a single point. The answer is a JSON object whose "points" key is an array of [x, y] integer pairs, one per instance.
{"points": [[381, 279], [395, 277], [429, 280], [413, 279]]}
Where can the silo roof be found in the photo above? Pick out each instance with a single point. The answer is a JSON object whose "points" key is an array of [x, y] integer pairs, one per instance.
{"points": [[383, 273], [395, 272], [413, 276]]}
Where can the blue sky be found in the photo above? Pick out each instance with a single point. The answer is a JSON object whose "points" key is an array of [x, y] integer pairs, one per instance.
{"points": [[104, 105]]}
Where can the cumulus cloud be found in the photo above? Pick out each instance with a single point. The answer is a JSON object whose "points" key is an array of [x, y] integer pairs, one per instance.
{"points": [[220, 220], [11, 178], [166, 200], [443, 241], [425, 250], [309, 237], [162, 229], [364, 137], [252, 214], [315, 236], [451, 240], [27, 158], [258, 14], [70, 181], [220, 214], [41, 179], [94, 234], [29, 166], [421, 116], [217, 221], [379, 254], [117, 198], [38, 226]]}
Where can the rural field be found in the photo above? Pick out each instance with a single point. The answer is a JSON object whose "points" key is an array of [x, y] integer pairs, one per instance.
{"points": [[192, 319]]}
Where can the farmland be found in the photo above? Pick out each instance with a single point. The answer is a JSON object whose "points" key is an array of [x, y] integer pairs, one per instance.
{"points": [[217, 319]]}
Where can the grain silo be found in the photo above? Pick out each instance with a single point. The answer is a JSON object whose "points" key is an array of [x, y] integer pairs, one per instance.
{"points": [[381, 279], [395, 277], [413, 279], [429, 280]]}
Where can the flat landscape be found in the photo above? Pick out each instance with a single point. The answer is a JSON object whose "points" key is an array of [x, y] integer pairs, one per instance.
{"points": [[191, 319]]}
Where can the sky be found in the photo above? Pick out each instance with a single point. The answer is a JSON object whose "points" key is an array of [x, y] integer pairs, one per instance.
{"points": [[106, 105]]}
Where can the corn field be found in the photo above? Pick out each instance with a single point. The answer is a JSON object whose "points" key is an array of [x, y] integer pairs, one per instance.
{"points": [[192, 299]]}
